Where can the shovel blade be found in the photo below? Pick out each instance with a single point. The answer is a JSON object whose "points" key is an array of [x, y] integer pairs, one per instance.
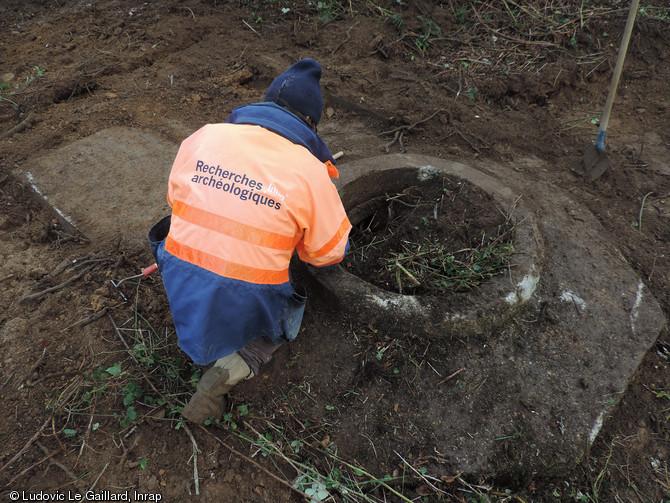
{"points": [[595, 163]]}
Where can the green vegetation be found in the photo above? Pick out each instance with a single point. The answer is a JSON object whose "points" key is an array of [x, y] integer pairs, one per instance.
{"points": [[430, 32], [658, 13], [414, 242], [321, 473], [429, 263], [5, 87], [128, 383]]}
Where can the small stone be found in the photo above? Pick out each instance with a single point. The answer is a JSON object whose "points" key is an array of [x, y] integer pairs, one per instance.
{"points": [[237, 77], [229, 476]]}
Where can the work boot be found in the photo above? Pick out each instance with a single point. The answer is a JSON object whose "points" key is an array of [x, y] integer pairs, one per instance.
{"points": [[207, 401]]}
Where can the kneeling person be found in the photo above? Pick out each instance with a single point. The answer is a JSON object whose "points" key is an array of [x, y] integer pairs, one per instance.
{"points": [[245, 195]]}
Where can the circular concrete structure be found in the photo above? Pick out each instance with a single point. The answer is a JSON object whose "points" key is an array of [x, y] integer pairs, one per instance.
{"points": [[497, 296]]}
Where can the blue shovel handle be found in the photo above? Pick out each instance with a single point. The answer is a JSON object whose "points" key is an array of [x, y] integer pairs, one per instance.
{"points": [[600, 141]]}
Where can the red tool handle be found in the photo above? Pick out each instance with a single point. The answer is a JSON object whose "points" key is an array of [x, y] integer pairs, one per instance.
{"points": [[148, 270]]}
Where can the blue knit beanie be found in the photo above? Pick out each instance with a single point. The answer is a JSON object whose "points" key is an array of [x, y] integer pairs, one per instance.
{"points": [[298, 88]]}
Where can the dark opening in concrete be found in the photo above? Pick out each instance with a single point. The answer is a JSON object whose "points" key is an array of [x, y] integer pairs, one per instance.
{"points": [[434, 234], [369, 194]]}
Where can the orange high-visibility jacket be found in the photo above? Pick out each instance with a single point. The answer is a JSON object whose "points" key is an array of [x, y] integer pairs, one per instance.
{"points": [[243, 199]]}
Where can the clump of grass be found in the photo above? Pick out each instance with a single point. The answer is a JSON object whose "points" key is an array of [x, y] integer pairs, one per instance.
{"points": [[430, 266], [430, 31]]}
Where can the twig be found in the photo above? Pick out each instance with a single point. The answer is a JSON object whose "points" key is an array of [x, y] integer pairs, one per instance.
{"points": [[374, 449], [9, 378], [39, 362], [415, 281], [380, 482], [257, 465], [90, 319], [480, 385], [346, 39], [504, 234], [274, 446], [400, 131], [98, 478], [467, 140], [61, 404], [67, 471], [131, 431], [24, 124], [514, 39], [451, 376], [37, 295], [395, 198], [75, 262], [639, 222], [27, 446], [423, 477], [397, 138], [53, 429], [471, 487], [32, 466], [251, 28], [86, 435], [196, 451], [407, 128], [189, 9], [653, 266]]}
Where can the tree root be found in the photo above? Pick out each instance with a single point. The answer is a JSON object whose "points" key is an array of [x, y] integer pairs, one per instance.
{"points": [[400, 131], [24, 124]]}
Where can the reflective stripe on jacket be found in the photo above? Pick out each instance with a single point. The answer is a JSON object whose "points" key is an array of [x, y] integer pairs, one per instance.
{"points": [[243, 199]]}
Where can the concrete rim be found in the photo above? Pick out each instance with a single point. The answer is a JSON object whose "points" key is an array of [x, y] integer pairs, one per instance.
{"points": [[359, 181]]}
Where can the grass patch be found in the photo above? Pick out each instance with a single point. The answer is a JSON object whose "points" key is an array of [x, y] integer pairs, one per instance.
{"points": [[431, 265]]}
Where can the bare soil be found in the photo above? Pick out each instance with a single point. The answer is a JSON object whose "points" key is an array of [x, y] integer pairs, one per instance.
{"points": [[480, 87]]}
